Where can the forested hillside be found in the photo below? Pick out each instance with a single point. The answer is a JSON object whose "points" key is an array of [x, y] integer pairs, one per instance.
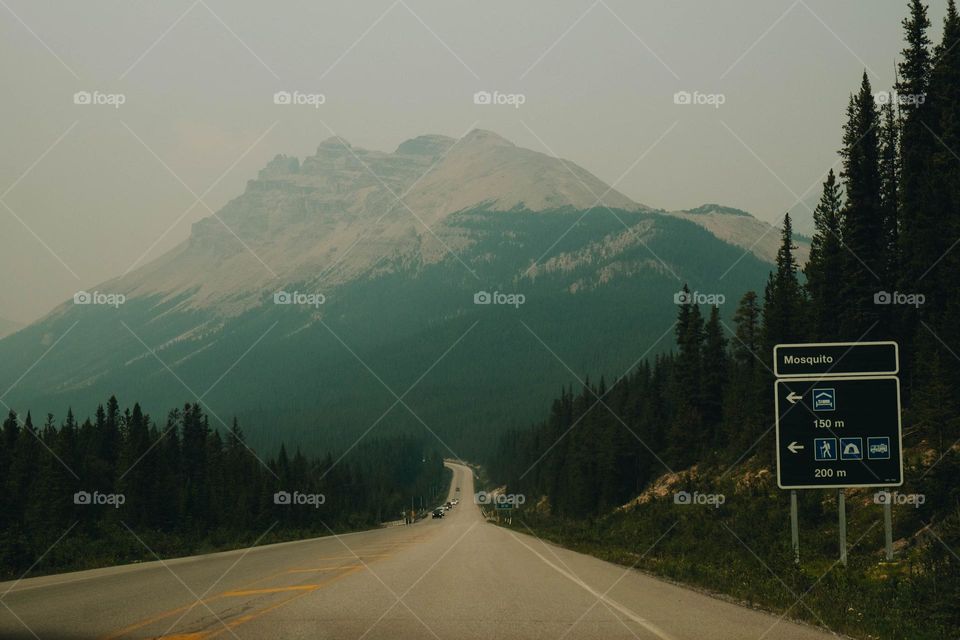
{"points": [[883, 266], [182, 487]]}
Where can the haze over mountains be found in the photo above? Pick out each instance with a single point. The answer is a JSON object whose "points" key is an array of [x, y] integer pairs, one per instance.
{"points": [[392, 247]]}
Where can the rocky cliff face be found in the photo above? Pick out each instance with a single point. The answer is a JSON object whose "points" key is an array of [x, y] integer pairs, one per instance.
{"points": [[339, 212]]}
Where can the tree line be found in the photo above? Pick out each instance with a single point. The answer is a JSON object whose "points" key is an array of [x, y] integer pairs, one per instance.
{"points": [[123, 486]]}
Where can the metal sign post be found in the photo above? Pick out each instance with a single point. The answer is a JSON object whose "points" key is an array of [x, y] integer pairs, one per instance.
{"points": [[842, 511], [794, 526], [888, 525]]}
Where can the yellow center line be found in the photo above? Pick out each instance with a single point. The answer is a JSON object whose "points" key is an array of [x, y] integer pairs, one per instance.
{"points": [[253, 592], [236, 622], [203, 601], [353, 557], [344, 570], [319, 569]]}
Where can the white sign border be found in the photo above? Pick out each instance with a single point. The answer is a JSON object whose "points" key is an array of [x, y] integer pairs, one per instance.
{"points": [[776, 408], [896, 355]]}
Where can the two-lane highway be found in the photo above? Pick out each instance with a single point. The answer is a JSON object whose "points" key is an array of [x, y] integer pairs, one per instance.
{"points": [[458, 577]]}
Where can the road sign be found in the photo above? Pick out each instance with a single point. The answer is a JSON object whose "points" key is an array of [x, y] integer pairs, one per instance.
{"points": [[838, 432], [836, 359]]}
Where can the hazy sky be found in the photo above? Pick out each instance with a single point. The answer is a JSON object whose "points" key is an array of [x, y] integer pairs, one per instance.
{"points": [[97, 189]]}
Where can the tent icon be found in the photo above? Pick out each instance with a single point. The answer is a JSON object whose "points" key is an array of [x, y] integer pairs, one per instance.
{"points": [[851, 448]]}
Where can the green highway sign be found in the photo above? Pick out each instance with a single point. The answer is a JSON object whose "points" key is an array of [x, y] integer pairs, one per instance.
{"points": [[838, 432]]}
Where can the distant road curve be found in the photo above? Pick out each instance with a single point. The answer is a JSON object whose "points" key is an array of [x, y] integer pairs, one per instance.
{"points": [[457, 577]]}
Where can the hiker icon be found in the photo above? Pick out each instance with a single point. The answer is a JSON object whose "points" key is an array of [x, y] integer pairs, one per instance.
{"points": [[825, 449]]}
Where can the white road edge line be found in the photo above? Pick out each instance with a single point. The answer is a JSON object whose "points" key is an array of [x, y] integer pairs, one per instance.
{"points": [[646, 624]]}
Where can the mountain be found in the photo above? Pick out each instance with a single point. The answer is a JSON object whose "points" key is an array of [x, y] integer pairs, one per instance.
{"points": [[337, 284]]}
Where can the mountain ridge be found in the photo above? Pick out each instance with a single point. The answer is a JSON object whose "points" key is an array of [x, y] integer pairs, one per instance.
{"points": [[339, 211]]}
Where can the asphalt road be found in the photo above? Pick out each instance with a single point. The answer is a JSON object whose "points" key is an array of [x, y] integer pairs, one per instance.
{"points": [[458, 577]]}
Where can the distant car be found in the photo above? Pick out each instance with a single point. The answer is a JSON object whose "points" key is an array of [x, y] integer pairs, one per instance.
{"points": [[438, 513]]}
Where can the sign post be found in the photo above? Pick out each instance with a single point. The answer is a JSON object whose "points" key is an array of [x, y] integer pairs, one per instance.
{"points": [[507, 509], [842, 511], [794, 527], [888, 525], [838, 425]]}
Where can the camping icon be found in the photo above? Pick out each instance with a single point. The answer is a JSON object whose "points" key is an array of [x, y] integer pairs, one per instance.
{"points": [[851, 448]]}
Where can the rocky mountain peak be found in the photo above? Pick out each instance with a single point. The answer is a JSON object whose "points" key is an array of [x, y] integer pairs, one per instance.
{"points": [[333, 144], [426, 145], [485, 137], [280, 166]]}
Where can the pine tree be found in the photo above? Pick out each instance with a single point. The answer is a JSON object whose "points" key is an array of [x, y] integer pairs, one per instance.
{"points": [[824, 269], [686, 430], [889, 194], [917, 224], [109, 437], [691, 354], [862, 229], [136, 467], [715, 373], [783, 299], [743, 413]]}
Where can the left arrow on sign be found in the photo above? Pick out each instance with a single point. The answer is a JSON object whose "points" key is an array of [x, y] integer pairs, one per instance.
{"points": [[795, 447], [794, 398]]}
